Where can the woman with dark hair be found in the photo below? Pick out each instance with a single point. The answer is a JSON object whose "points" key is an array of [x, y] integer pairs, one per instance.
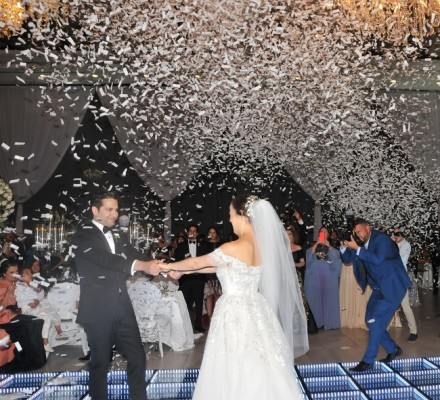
{"points": [[321, 284], [24, 329], [213, 289], [7, 299], [300, 266], [259, 322]]}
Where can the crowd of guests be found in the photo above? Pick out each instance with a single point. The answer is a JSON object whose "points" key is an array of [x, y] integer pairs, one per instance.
{"points": [[331, 294], [199, 290], [26, 316]]}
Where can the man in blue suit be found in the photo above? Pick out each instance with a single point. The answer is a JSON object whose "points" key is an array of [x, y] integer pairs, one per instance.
{"points": [[376, 262]]}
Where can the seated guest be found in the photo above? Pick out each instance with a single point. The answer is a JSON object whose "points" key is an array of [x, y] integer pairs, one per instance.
{"points": [[12, 248], [161, 311], [7, 298], [37, 268], [21, 328], [160, 250], [31, 300], [323, 268]]}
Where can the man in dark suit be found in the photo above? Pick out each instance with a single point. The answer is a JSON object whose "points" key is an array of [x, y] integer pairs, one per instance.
{"points": [[192, 286], [376, 262], [104, 261]]}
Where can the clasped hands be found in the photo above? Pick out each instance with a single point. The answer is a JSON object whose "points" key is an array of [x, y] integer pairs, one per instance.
{"points": [[165, 269], [156, 267]]}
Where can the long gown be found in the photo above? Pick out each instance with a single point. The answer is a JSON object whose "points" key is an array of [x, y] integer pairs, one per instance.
{"points": [[311, 323], [246, 349], [321, 286]]}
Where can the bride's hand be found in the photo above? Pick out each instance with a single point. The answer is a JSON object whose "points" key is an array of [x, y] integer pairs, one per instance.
{"points": [[175, 275]]}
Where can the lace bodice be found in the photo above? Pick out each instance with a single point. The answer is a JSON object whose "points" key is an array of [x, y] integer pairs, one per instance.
{"points": [[236, 277]]}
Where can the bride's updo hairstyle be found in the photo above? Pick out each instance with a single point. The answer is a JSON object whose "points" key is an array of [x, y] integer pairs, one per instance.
{"points": [[242, 204]]}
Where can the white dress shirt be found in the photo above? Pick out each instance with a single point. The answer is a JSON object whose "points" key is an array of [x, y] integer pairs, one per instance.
{"points": [[404, 251], [109, 237], [192, 247]]}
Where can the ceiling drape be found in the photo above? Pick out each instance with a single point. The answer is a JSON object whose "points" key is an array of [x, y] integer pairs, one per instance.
{"points": [[162, 159], [34, 139], [419, 132]]}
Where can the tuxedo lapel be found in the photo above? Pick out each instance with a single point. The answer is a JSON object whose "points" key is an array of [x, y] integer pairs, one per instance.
{"points": [[101, 236]]}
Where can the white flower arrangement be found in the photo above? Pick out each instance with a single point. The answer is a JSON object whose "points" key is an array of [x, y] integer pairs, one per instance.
{"points": [[7, 203]]}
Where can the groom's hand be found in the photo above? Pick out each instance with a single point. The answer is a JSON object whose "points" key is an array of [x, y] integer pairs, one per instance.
{"points": [[149, 267]]}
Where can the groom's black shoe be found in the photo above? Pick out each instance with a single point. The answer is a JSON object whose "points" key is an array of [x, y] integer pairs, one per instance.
{"points": [[86, 357], [362, 367], [391, 356]]}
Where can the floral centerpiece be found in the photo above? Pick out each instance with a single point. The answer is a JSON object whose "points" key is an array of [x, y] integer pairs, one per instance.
{"points": [[7, 203]]}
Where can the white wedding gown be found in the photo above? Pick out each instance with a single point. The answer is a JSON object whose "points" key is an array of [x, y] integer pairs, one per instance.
{"points": [[246, 349]]}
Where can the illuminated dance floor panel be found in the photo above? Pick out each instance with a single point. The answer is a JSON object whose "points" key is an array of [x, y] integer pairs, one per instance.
{"points": [[403, 379]]}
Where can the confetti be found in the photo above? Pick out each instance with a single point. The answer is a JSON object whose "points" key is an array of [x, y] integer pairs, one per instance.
{"points": [[248, 90]]}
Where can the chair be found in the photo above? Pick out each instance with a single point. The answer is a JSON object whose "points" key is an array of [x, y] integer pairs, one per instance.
{"points": [[145, 298], [63, 297]]}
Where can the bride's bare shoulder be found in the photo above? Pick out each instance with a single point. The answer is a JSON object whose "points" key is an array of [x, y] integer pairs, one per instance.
{"points": [[241, 249]]}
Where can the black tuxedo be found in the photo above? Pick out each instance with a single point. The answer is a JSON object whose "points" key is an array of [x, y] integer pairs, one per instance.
{"points": [[192, 286], [105, 310]]}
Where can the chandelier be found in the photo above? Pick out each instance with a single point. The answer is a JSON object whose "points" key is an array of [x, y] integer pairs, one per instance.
{"points": [[10, 16], [395, 21], [14, 12]]}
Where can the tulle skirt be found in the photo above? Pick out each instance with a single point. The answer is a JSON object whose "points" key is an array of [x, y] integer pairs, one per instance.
{"points": [[246, 354]]}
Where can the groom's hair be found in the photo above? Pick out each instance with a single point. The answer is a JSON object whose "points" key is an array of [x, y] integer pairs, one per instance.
{"points": [[96, 200]]}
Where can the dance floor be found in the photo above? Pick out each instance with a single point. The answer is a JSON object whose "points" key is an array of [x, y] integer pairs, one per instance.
{"points": [[323, 373], [415, 378]]}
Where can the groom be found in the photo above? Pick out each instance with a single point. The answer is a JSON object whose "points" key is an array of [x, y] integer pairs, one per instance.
{"points": [[103, 262]]}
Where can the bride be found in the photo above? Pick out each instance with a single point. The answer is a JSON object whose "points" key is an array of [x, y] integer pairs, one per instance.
{"points": [[259, 323]]}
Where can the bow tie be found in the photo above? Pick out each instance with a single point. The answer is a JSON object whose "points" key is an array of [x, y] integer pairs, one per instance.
{"points": [[106, 229], [192, 242]]}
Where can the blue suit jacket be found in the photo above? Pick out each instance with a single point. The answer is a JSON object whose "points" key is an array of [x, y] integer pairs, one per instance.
{"points": [[383, 264]]}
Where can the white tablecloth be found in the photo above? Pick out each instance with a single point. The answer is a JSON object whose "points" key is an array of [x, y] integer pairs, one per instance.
{"points": [[161, 313], [63, 298]]}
